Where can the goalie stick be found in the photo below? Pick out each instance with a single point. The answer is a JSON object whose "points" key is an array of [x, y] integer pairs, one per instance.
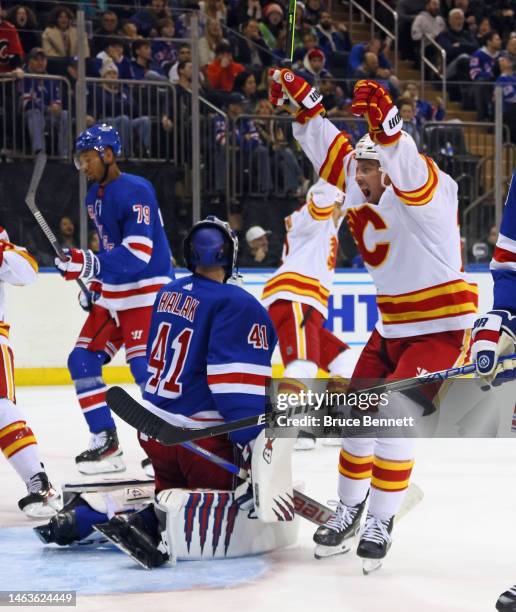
{"points": [[153, 425], [30, 200]]}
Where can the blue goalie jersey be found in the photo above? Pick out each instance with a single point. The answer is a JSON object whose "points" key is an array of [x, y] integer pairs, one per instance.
{"points": [[503, 264], [209, 353], [135, 258]]}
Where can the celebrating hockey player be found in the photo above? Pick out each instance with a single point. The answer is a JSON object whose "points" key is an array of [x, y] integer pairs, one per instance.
{"points": [[297, 294], [134, 262], [494, 333], [17, 442], [209, 360], [402, 211]]}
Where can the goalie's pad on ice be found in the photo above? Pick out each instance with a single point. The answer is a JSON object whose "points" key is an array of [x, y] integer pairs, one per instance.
{"points": [[271, 469]]}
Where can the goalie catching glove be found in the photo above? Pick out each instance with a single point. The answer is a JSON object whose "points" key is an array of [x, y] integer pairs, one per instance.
{"points": [[287, 87], [371, 100], [494, 335], [78, 264]]}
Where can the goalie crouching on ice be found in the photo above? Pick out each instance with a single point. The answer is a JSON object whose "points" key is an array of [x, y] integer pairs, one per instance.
{"points": [[209, 360], [402, 212]]}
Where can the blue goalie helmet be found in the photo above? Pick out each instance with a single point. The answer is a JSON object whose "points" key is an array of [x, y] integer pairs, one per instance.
{"points": [[211, 242], [97, 138]]}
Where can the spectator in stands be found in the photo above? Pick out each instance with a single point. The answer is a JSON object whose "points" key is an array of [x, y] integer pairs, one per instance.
{"points": [[507, 81], [142, 65], [164, 52], [183, 55], [459, 43], [212, 9], [272, 23], [93, 241], [251, 51], [428, 22], [312, 12], [27, 25], [331, 92], [256, 249], [284, 160], [129, 31], [481, 68], [484, 27], [66, 234], [503, 18], [309, 42], [243, 11], [115, 51], [407, 11], [314, 67], [147, 19], [213, 36], [59, 39], [42, 104], [370, 69], [334, 39], [424, 110], [345, 121], [376, 46], [407, 110], [511, 49], [251, 152], [222, 71], [12, 50], [108, 29], [114, 104], [245, 83]]}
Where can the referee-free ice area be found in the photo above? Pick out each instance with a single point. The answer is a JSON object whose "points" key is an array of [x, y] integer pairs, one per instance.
{"points": [[454, 552]]}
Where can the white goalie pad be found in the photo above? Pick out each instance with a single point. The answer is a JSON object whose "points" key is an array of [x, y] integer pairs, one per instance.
{"points": [[203, 525], [271, 469]]}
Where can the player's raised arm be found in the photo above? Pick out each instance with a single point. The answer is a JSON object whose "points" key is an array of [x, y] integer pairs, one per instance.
{"points": [[325, 146], [17, 265], [240, 349]]}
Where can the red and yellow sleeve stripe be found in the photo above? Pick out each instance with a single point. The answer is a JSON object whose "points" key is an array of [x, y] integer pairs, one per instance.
{"points": [[451, 299], [391, 476], [298, 284], [332, 169], [423, 195], [4, 329], [23, 253], [320, 213], [15, 437], [355, 467]]}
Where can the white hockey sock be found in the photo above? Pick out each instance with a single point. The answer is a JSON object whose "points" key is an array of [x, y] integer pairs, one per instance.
{"points": [[17, 441]]}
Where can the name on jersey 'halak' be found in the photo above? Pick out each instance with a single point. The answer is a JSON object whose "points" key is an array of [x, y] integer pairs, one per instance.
{"points": [[177, 303]]}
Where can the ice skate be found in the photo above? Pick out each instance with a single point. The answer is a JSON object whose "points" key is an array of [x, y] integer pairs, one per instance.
{"points": [[375, 541], [42, 500], [332, 537], [103, 456], [507, 601], [147, 467]]}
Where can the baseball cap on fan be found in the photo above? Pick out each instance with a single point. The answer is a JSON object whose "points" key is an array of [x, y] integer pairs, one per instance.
{"points": [[255, 232]]}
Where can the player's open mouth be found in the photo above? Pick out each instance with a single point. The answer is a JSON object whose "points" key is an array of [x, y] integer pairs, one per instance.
{"points": [[366, 192]]}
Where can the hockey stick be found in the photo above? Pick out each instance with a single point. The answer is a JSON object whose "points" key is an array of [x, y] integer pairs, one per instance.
{"points": [[291, 31], [30, 200], [153, 425]]}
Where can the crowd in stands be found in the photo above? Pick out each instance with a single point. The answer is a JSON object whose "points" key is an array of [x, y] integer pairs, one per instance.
{"points": [[239, 40]]}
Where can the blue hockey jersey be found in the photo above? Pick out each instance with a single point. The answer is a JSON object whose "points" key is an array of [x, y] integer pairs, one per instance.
{"points": [[135, 258], [503, 264], [209, 353]]}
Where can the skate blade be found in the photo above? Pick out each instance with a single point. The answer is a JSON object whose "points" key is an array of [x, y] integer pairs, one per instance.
{"points": [[371, 565], [105, 531], [322, 552], [105, 466]]}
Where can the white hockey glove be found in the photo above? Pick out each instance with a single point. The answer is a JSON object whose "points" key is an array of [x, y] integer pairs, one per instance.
{"points": [[494, 335], [78, 264], [95, 291]]}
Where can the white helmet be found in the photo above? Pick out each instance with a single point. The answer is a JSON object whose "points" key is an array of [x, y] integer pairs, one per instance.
{"points": [[324, 194], [365, 149]]}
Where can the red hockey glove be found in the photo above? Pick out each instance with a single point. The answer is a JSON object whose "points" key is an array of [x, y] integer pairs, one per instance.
{"points": [[373, 101], [288, 87], [78, 264]]}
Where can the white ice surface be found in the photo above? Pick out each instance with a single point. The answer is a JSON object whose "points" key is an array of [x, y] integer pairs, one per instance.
{"points": [[454, 552]]}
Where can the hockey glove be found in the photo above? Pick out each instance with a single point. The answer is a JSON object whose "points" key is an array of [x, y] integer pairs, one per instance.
{"points": [[78, 264], [287, 87], [494, 335], [86, 301], [373, 101]]}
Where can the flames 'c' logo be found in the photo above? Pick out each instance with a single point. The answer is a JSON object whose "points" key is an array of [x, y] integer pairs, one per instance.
{"points": [[358, 219]]}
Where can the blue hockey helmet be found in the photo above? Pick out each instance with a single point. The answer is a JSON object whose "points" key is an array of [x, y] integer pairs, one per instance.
{"points": [[97, 138], [211, 242]]}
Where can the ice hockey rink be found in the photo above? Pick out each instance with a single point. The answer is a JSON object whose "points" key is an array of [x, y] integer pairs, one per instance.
{"points": [[454, 552]]}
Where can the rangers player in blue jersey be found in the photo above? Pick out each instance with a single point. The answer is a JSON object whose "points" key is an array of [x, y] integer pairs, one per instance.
{"points": [[494, 333], [133, 263], [209, 359]]}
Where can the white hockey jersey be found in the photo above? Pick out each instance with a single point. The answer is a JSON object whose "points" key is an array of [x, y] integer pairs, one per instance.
{"points": [[309, 252], [409, 241], [18, 267]]}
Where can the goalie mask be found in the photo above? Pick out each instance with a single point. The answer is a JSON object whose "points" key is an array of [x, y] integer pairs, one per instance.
{"points": [[211, 242]]}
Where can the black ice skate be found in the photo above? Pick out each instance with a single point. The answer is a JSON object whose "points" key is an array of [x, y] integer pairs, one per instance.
{"points": [[375, 541], [147, 467], [507, 601], [103, 456], [331, 538], [129, 534], [42, 500], [62, 529]]}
